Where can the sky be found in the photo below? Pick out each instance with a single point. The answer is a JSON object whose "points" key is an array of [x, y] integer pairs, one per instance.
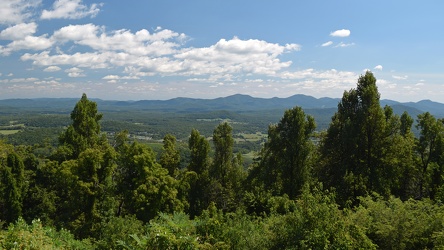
{"points": [[157, 50]]}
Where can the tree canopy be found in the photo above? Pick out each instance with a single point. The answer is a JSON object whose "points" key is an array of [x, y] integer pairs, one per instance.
{"points": [[367, 182]]}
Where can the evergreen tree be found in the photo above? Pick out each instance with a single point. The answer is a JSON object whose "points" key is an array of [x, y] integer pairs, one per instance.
{"points": [[198, 196], [13, 190], [223, 153], [12, 208], [86, 164], [225, 173], [143, 185], [430, 151], [170, 158], [284, 165], [356, 157], [84, 132]]}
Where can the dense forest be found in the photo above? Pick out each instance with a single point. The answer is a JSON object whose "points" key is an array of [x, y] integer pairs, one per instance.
{"points": [[366, 182]]}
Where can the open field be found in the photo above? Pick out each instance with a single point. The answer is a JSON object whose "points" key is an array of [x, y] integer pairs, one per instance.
{"points": [[9, 132]]}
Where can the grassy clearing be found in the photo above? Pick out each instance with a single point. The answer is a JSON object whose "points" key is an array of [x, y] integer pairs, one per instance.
{"points": [[9, 132], [250, 137]]}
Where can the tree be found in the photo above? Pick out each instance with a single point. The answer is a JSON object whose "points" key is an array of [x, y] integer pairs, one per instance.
{"points": [[284, 165], [430, 151], [84, 132], [86, 163], [356, 158], [198, 195], [223, 152], [143, 185], [13, 181], [225, 172], [400, 156], [170, 158], [93, 189]]}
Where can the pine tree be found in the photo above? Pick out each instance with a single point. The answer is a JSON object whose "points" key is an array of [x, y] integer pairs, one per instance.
{"points": [[170, 157], [357, 155], [198, 195]]}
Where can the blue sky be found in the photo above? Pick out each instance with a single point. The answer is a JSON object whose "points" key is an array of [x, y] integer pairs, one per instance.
{"points": [[133, 50]]}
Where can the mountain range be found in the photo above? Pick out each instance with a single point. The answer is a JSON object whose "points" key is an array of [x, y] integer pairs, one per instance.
{"points": [[233, 103]]}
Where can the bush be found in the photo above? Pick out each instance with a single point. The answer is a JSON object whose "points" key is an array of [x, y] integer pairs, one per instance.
{"points": [[20, 235]]}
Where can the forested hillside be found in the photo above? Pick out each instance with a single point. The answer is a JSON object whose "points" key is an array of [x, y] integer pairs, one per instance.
{"points": [[365, 182]]}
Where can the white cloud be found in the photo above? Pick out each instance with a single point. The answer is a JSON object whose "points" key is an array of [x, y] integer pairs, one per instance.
{"points": [[16, 11], [400, 77], [75, 72], [327, 44], [332, 75], [76, 33], [378, 67], [235, 56], [111, 77], [340, 33], [18, 80], [145, 54], [30, 43], [52, 69], [18, 31], [141, 43], [70, 9], [87, 60], [343, 45]]}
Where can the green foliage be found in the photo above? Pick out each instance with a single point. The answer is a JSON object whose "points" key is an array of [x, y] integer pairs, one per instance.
{"points": [[116, 195], [358, 153], [11, 196], [13, 186], [226, 172], [198, 195], [316, 223], [116, 230], [223, 155], [20, 235], [394, 224], [144, 187], [170, 158], [84, 131], [430, 150], [284, 165]]}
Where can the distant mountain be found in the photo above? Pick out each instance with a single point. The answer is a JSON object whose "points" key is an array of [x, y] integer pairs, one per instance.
{"points": [[234, 103]]}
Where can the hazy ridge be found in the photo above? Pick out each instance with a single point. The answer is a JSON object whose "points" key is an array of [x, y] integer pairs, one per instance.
{"points": [[234, 103]]}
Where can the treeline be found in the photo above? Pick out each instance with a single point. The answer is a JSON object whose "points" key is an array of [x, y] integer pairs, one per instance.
{"points": [[365, 183]]}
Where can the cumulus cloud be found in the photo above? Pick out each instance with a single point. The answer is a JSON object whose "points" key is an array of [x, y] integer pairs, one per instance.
{"points": [[16, 11], [32, 43], [326, 44], [27, 43], [378, 67], [76, 33], [75, 72], [52, 69], [70, 9], [139, 43], [146, 54], [111, 77], [340, 33], [87, 60], [234, 56], [18, 31]]}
